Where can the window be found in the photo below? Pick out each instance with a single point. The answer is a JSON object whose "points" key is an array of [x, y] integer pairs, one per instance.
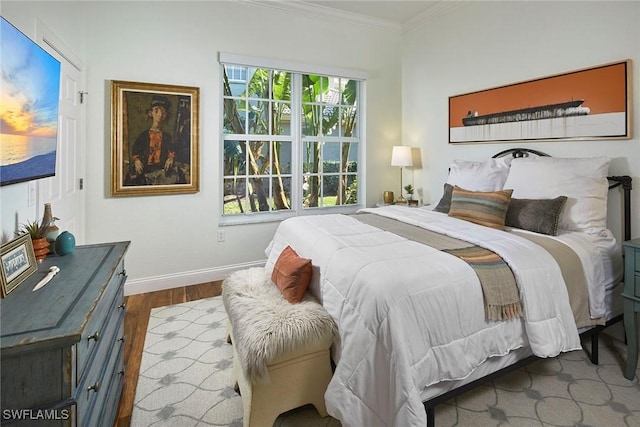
{"points": [[291, 143], [236, 74]]}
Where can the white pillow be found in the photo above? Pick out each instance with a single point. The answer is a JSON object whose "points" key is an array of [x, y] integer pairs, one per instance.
{"points": [[582, 180], [489, 175]]}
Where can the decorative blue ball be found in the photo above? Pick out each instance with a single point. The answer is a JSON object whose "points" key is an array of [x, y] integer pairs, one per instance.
{"points": [[65, 243]]}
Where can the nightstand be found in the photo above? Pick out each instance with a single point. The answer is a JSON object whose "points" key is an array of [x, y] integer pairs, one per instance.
{"points": [[631, 296]]}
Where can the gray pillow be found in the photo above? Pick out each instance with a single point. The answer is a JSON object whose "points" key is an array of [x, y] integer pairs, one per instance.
{"points": [[445, 202], [537, 215]]}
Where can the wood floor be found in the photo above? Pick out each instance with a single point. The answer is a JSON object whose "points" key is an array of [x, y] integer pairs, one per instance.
{"points": [[135, 327]]}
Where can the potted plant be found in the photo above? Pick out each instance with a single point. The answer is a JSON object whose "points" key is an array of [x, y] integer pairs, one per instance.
{"points": [[38, 233], [409, 189]]}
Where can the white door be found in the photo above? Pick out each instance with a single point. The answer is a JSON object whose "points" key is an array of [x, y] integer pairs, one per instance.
{"points": [[64, 190]]}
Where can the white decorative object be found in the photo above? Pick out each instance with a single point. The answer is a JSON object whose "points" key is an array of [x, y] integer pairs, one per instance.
{"points": [[53, 270]]}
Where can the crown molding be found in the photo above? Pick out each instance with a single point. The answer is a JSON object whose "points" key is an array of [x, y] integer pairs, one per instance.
{"points": [[438, 8], [325, 12]]}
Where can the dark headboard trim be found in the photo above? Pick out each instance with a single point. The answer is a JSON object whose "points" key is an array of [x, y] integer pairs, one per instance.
{"points": [[623, 181], [520, 152]]}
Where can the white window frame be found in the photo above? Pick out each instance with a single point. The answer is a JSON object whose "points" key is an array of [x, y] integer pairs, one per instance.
{"points": [[233, 78], [296, 138]]}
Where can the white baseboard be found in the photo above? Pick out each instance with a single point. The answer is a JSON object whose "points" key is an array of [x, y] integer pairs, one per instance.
{"points": [[169, 281]]}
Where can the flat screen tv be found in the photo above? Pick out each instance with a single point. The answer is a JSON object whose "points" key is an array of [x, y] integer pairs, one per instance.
{"points": [[29, 96]]}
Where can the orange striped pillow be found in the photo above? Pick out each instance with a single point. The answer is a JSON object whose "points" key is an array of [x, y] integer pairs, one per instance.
{"points": [[488, 208]]}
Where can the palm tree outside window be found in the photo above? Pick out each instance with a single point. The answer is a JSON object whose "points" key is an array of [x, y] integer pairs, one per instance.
{"points": [[290, 141]]}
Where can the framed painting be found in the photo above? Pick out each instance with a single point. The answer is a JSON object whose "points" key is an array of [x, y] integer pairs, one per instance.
{"points": [[588, 104], [17, 263], [154, 130]]}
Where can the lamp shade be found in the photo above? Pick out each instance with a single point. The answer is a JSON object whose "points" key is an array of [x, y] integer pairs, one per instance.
{"points": [[401, 156]]}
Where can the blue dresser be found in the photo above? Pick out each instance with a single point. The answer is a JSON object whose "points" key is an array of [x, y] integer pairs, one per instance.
{"points": [[62, 345], [631, 303]]}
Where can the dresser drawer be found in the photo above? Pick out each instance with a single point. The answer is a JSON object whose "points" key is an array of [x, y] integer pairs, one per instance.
{"points": [[107, 342], [110, 405], [94, 333], [637, 261], [93, 390], [637, 285], [99, 415]]}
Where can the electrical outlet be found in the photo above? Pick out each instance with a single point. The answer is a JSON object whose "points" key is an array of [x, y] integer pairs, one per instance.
{"points": [[221, 236]]}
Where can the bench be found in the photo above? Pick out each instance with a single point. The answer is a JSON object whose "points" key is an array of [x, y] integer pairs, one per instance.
{"points": [[281, 357]]}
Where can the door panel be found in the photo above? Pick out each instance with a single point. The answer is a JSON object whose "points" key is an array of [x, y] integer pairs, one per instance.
{"points": [[63, 190]]}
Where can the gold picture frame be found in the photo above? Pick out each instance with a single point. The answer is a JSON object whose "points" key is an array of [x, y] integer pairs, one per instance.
{"points": [[154, 130], [17, 263]]}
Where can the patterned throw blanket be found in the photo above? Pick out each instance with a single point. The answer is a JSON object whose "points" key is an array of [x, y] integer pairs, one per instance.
{"points": [[501, 296]]}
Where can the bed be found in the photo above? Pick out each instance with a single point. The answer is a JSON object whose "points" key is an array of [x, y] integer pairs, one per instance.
{"points": [[417, 314]]}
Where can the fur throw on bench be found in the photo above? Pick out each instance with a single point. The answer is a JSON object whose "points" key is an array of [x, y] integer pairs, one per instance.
{"points": [[266, 326]]}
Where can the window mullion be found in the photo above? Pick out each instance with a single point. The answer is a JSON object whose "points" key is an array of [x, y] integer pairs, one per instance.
{"points": [[296, 142]]}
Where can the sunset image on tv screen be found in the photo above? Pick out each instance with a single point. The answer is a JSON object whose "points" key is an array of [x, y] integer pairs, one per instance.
{"points": [[29, 94]]}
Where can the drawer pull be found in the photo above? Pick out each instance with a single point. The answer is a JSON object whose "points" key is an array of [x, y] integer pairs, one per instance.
{"points": [[94, 387], [123, 306], [123, 338], [123, 272], [95, 336], [124, 368]]}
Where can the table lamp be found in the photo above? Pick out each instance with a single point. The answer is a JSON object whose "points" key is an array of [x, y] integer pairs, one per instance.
{"points": [[401, 156]]}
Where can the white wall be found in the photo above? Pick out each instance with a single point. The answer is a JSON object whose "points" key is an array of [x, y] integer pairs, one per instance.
{"points": [[480, 45], [174, 237]]}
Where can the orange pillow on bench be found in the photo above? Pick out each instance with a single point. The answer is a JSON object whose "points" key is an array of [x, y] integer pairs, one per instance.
{"points": [[291, 274]]}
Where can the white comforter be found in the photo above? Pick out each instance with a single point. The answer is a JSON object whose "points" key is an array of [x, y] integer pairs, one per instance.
{"points": [[410, 316]]}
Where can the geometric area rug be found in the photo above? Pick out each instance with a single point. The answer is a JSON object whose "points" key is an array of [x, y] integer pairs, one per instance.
{"points": [[186, 380], [186, 374]]}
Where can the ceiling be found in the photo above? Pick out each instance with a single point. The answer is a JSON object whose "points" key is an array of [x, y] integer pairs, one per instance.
{"points": [[393, 12]]}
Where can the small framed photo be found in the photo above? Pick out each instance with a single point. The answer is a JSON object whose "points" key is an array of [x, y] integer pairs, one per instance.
{"points": [[154, 149], [17, 263]]}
